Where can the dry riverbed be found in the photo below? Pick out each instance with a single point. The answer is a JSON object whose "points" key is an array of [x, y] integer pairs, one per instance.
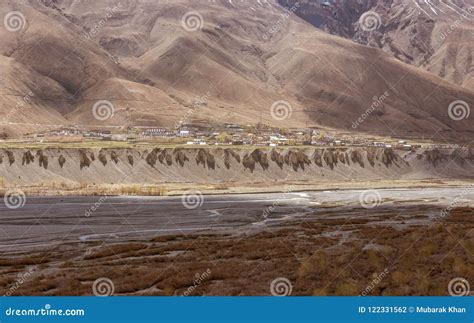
{"points": [[324, 243]]}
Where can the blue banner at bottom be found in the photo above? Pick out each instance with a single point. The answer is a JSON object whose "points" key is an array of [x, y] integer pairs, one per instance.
{"points": [[237, 309]]}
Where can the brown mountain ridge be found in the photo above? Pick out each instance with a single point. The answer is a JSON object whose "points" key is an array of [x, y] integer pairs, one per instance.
{"points": [[154, 60]]}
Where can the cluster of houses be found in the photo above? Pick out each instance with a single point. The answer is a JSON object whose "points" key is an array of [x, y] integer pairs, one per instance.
{"points": [[229, 134], [73, 132]]}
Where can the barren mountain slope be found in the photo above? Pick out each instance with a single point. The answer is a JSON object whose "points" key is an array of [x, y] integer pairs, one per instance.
{"points": [[160, 63], [437, 35], [29, 98]]}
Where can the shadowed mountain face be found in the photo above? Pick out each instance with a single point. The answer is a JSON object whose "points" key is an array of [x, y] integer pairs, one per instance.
{"points": [[437, 35], [158, 63]]}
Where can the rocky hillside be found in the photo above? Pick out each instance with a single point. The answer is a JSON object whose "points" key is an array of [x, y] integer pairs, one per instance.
{"points": [[115, 64], [436, 35], [160, 166]]}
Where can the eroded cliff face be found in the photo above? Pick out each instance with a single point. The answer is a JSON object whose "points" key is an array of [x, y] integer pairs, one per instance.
{"points": [[228, 165]]}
